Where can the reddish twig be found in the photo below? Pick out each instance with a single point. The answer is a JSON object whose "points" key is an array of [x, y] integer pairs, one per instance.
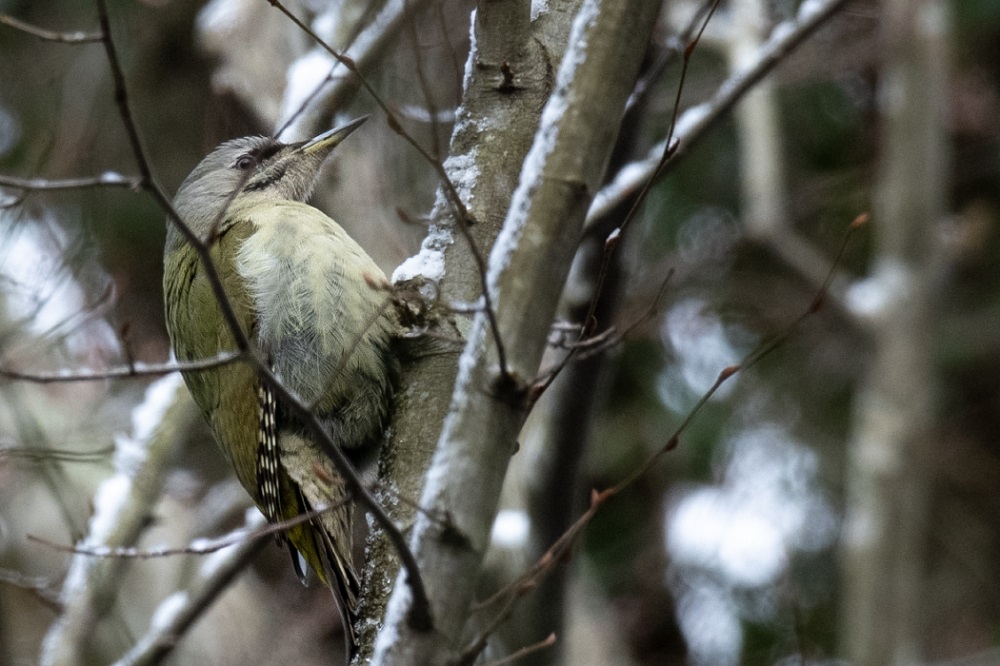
{"points": [[560, 549]]}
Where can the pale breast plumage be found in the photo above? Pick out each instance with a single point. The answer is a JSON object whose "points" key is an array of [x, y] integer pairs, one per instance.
{"points": [[317, 296]]}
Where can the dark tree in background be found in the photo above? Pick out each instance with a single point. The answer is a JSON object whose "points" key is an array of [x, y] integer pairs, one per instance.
{"points": [[835, 497]]}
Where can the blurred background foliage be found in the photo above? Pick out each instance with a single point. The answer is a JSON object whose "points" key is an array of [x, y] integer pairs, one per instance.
{"points": [[727, 552]]}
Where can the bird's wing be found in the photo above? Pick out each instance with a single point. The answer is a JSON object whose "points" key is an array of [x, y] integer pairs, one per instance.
{"points": [[225, 394]]}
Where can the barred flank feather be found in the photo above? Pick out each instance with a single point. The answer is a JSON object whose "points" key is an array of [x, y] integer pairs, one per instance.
{"points": [[267, 458]]}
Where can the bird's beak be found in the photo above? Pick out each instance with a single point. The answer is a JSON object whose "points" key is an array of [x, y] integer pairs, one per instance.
{"points": [[331, 138]]}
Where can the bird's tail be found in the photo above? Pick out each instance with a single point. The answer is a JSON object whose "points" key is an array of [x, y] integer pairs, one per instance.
{"points": [[342, 581], [325, 544], [326, 541]]}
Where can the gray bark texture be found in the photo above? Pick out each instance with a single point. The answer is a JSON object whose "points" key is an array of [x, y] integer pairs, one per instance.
{"points": [[527, 268]]}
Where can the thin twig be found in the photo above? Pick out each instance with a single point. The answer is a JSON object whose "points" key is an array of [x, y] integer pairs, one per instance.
{"points": [[598, 343], [421, 612], [307, 102], [824, 289], [122, 506], [560, 548], [133, 370], [33, 454], [543, 644], [163, 636], [198, 547], [108, 179], [75, 37], [367, 46], [151, 185], [425, 90], [637, 174], [669, 52], [764, 349], [43, 588], [662, 158], [391, 118], [670, 146]]}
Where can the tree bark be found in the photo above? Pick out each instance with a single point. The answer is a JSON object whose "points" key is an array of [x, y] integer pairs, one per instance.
{"points": [[493, 131], [527, 268], [885, 531]]}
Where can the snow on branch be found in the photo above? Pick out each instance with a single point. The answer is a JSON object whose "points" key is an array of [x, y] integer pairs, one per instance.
{"points": [[697, 120], [122, 506]]}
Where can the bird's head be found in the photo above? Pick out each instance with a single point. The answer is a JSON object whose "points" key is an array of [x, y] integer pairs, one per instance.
{"points": [[249, 170]]}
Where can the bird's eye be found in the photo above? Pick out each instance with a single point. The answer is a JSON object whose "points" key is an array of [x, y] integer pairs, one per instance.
{"points": [[244, 162]]}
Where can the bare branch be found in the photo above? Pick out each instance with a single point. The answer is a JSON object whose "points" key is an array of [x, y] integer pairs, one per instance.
{"points": [[695, 122], [109, 179], [762, 172], [35, 454], [178, 612], [43, 588], [391, 118], [134, 370], [614, 238], [585, 347], [764, 349], [198, 547], [122, 506], [75, 37], [548, 642], [150, 184]]}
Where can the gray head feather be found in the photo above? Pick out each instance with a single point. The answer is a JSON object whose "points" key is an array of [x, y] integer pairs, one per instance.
{"points": [[241, 171]]}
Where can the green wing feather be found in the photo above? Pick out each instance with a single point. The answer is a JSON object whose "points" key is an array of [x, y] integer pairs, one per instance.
{"points": [[227, 394]]}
